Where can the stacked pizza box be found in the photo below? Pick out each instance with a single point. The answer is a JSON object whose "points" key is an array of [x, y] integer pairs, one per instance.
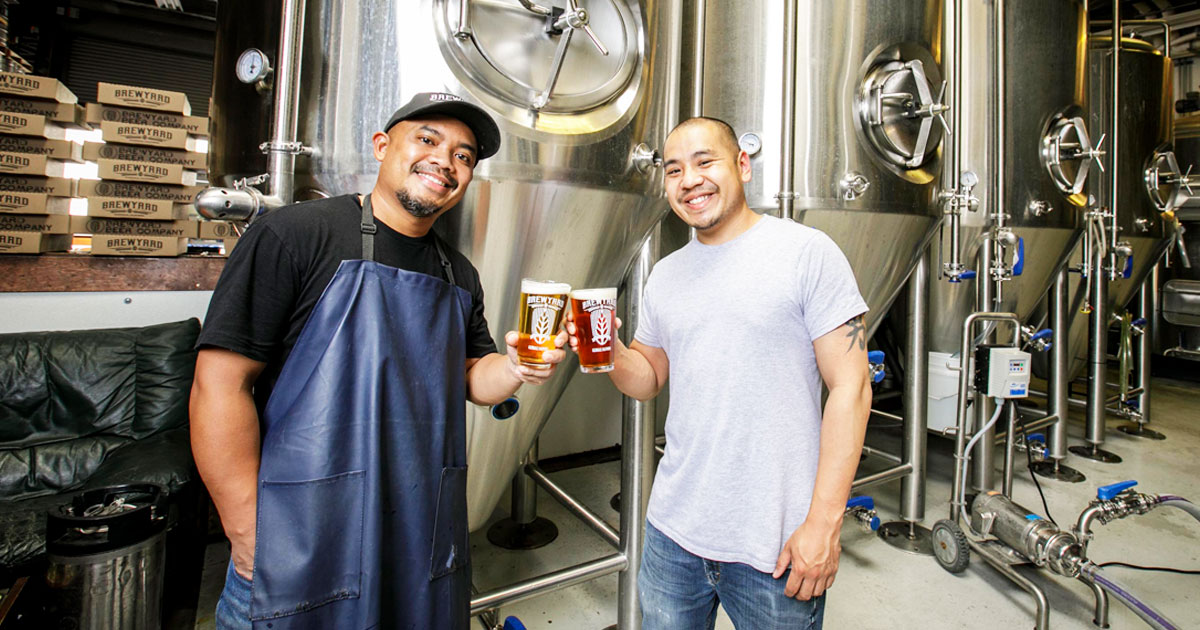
{"points": [[148, 166], [35, 196], [228, 232]]}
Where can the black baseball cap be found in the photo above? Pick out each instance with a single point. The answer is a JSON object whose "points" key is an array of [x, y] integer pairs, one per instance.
{"points": [[487, 134]]}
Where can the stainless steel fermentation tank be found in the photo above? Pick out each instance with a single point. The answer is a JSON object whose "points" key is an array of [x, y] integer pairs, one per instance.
{"points": [[1044, 162], [848, 140], [1149, 181], [1187, 150], [567, 198]]}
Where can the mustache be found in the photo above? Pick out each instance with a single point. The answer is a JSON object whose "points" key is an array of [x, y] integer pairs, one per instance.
{"points": [[444, 173]]}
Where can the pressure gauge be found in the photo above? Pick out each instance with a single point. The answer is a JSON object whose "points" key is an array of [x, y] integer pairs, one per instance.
{"points": [[751, 143], [252, 66]]}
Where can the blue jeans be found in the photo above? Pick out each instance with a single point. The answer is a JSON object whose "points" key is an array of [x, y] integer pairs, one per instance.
{"points": [[680, 591], [233, 609]]}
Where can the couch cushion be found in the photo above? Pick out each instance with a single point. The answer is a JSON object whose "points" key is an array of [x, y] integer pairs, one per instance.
{"points": [[67, 399]]}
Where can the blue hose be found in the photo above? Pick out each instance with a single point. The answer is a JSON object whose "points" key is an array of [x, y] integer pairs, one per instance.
{"points": [[1147, 612]]}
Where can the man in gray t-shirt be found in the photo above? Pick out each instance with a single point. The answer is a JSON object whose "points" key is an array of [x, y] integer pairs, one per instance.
{"points": [[747, 320]]}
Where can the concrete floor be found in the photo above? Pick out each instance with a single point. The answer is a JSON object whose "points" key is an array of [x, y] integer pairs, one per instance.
{"points": [[880, 587]]}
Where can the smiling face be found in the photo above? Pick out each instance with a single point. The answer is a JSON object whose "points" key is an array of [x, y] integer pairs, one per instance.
{"points": [[704, 172], [426, 163]]}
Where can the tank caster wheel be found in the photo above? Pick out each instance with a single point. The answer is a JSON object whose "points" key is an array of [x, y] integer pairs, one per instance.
{"points": [[950, 546]]}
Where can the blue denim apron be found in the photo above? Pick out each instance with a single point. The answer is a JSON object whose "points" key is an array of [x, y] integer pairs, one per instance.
{"points": [[362, 511]]}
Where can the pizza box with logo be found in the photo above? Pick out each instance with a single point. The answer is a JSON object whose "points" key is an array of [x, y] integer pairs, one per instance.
{"points": [[57, 149], [138, 190], [126, 171], [146, 136], [133, 227], [122, 245], [31, 86], [147, 209], [188, 159], [30, 125], [143, 98], [30, 164], [219, 229], [55, 186], [67, 114], [44, 223], [97, 113], [14, 202], [33, 242]]}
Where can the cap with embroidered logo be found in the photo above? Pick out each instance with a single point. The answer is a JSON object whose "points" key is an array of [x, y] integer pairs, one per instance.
{"points": [[487, 134]]}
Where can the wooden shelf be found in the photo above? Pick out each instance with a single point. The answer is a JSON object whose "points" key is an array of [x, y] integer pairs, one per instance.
{"points": [[82, 272]]}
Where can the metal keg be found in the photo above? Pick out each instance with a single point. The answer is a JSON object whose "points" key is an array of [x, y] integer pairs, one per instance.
{"points": [[106, 555]]}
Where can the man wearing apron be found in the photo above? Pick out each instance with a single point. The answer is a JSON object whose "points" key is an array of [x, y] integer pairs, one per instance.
{"points": [[327, 411]]}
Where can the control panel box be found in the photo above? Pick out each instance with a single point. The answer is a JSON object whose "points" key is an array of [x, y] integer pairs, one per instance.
{"points": [[1002, 372]]}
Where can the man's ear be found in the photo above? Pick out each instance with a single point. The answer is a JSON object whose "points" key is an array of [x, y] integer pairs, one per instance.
{"points": [[379, 142], [744, 166]]}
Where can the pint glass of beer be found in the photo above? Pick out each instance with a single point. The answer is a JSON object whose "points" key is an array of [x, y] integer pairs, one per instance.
{"points": [[542, 306], [595, 324]]}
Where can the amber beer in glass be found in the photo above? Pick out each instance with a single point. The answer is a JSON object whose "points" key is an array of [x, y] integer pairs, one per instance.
{"points": [[542, 306], [595, 324]]}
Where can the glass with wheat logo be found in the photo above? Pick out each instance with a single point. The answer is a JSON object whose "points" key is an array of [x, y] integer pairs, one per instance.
{"points": [[542, 305], [594, 311]]}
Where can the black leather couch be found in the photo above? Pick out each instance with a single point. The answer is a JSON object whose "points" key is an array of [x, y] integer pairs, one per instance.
{"points": [[88, 409]]}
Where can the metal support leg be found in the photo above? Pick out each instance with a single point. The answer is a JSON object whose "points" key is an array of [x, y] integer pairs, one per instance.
{"points": [[907, 534], [1097, 401], [1057, 400], [523, 529], [1147, 310], [637, 457]]}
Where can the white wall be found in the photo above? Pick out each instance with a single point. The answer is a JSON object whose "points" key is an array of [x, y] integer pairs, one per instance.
{"points": [[27, 312]]}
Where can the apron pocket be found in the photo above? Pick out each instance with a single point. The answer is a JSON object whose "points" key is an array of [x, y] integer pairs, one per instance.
{"points": [[450, 546], [308, 550]]}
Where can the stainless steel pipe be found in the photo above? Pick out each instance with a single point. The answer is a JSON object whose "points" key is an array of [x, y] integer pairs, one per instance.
{"points": [[882, 476], [589, 517], [524, 491], [637, 453], [1147, 310], [1056, 398], [787, 194], [281, 160], [548, 583], [983, 475], [916, 394]]}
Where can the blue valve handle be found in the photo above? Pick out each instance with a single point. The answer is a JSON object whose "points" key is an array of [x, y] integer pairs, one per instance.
{"points": [[1141, 321], [865, 502], [875, 356], [1106, 493], [1019, 263], [512, 623], [1044, 333], [1036, 437], [966, 275], [874, 523], [1128, 268]]}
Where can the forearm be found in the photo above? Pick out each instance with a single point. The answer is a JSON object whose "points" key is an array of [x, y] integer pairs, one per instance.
{"points": [[226, 446], [632, 373], [490, 380], [843, 426]]}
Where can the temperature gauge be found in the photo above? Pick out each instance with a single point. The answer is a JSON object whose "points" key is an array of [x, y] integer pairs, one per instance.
{"points": [[252, 66]]}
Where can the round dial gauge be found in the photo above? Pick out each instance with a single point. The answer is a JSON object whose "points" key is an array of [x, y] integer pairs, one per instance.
{"points": [[751, 143], [252, 66]]}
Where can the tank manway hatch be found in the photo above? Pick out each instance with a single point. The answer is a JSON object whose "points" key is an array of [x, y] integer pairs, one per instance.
{"points": [[570, 71], [900, 109]]}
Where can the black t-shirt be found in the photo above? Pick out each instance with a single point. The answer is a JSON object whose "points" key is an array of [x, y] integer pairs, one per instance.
{"points": [[282, 264]]}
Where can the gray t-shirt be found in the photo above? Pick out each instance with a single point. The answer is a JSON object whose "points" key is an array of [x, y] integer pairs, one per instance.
{"points": [[737, 322]]}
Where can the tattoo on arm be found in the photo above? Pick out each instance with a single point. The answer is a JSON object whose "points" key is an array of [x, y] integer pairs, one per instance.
{"points": [[857, 333]]}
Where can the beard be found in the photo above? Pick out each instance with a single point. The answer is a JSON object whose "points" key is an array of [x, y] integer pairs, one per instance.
{"points": [[415, 206]]}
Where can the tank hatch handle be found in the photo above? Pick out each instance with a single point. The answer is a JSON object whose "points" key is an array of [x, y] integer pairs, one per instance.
{"points": [[1066, 142], [571, 19], [881, 107], [1167, 186]]}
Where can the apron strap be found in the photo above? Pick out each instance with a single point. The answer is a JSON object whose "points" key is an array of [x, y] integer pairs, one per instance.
{"points": [[368, 241], [368, 229]]}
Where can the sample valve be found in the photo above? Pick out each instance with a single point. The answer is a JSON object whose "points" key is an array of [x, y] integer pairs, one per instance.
{"points": [[862, 509], [876, 366]]}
